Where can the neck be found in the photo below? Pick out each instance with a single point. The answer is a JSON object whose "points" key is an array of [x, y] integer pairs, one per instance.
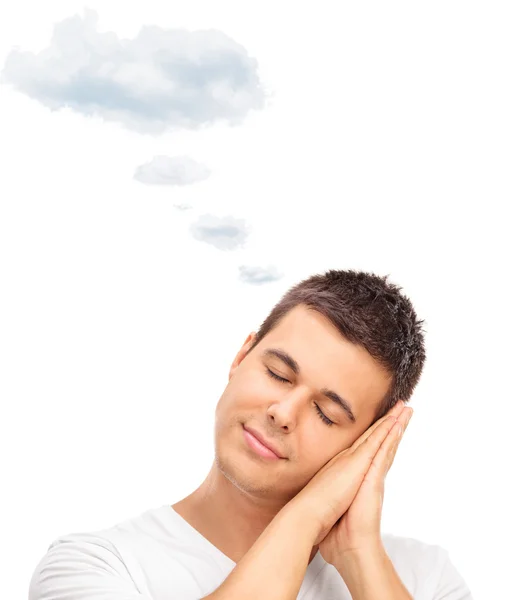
{"points": [[230, 518]]}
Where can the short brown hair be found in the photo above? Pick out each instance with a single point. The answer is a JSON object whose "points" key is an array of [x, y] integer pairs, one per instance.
{"points": [[369, 311]]}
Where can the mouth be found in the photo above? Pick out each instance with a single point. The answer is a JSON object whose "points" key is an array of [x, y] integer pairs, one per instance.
{"points": [[258, 447]]}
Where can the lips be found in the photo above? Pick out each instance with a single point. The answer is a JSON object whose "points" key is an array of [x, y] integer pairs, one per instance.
{"points": [[263, 440]]}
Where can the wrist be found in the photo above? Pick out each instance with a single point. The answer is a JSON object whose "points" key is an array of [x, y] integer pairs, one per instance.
{"points": [[301, 513], [370, 555], [369, 574]]}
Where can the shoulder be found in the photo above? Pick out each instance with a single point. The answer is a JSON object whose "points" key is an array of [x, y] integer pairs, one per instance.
{"points": [[76, 563], [89, 562]]}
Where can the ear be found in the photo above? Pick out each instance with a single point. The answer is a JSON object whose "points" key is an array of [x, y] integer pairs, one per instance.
{"points": [[241, 354]]}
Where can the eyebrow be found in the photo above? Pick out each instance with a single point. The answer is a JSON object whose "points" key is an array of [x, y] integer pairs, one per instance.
{"points": [[295, 367]]}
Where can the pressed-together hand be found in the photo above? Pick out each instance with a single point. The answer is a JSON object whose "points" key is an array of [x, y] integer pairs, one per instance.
{"points": [[359, 528], [346, 494]]}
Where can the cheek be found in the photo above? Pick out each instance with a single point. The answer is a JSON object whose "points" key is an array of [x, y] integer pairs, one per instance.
{"points": [[315, 446], [253, 392], [325, 449]]}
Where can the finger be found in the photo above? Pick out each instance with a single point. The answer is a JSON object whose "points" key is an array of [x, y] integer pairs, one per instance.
{"points": [[389, 431], [397, 409], [392, 413], [390, 446], [385, 456], [388, 450], [380, 424], [389, 417], [370, 445]]}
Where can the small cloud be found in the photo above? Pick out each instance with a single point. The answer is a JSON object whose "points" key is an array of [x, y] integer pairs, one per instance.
{"points": [[225, 233], [182, 206], [161, 79], [259, 275], [166, 170]]}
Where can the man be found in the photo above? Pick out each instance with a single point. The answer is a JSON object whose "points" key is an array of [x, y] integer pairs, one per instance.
{"points": [[318, 385]]}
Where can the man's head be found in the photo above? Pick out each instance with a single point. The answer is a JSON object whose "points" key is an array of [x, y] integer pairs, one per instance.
{"points": [[346, 344]]}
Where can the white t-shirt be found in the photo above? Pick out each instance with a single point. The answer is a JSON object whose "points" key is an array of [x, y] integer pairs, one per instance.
{"points": [[158, 555]]}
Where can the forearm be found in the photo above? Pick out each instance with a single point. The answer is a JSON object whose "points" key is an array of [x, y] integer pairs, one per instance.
{"points": [[274, 567], [371, 576]]}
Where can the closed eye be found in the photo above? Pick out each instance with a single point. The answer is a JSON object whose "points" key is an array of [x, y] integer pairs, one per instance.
{"points": [[321, 414]]}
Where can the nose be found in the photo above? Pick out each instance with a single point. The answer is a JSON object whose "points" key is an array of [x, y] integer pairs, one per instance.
{"points": [[285, 411]]}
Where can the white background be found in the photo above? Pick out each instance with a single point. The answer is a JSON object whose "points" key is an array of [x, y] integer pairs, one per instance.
{"points": [[388, 144]]}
